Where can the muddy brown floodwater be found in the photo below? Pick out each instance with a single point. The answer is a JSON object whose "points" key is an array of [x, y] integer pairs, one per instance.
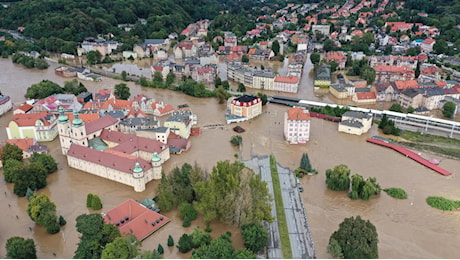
{"points": [[407, 228]]}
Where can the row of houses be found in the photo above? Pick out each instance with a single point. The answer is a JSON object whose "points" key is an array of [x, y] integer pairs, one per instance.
{"points": [[193, 68]]}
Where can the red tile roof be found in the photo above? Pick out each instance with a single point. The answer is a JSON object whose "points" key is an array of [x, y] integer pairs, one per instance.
{"points": [[366, 95], [139, 221], [297, 113], [289, 79], [86, 118], [107, 159], [25, 108], [31, 119], [23, 144], [100, 123], [406, 84], [429, 41], [130, 143]]}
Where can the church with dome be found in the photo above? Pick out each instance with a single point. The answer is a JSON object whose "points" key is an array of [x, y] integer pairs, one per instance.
{"points": [[99, 148]]}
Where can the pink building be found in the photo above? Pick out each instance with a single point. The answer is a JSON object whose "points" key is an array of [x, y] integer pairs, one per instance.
{"points": [[297, 126]]}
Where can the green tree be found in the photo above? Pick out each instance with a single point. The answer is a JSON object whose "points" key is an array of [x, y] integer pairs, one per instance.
{"points": [[11, 168], [410, 110], [124, 76], [20, 248], [95, 235], [43, 212], [31, 176], [96, 203], [122, 91], [217, 82], [143, 82], [11, 151], [119, 248], [334, 249], [160, 249], [339, 178], [93, 57], [219, 248], [170, 79], [255, 236], [45, 160], [221, 94], [244, 254], [170, 241], [200, 238], [356, 238], [244, 59], [440, 47], [315, 57], [328, 45], [187, 212], [74, 87], [276, 47], [305, 163], [448, 109], [396, 107], [43, 89], [241, 88], [236, 140], [413, 51], [263, 97], [226, 85], [62, 221], [157, 79], [154, 254], [185, 243], [89, 200], [368, 74]]}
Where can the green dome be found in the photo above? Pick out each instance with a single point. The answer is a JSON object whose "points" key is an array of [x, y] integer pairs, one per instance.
{"points": [[155, 157], [62, 117], [137, 168], [76, 120]]}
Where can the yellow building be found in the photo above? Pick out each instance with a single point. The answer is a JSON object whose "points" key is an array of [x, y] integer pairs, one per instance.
{"points": [[39, 126]]}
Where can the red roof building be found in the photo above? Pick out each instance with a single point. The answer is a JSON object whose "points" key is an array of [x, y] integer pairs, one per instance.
{"points": [[133, 218]]}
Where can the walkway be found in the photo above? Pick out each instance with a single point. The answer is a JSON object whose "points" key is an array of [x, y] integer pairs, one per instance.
{"points": [[409, 154]]}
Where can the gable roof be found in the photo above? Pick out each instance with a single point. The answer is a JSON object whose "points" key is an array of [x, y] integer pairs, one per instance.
{"points": [[100, 123], [137, 219], [297, 113], [30, 119], [130, 143]]}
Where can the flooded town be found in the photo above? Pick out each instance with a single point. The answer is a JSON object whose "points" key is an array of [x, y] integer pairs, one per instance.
{"points": [[407, 228]]}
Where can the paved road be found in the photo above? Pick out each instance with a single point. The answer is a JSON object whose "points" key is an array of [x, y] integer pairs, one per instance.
{"points": [[302, 245]]}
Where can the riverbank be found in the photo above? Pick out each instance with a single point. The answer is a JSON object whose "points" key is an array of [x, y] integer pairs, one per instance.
{"points": [[439, 145]]}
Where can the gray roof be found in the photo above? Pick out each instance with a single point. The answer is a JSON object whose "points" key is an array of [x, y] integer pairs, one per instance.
{"points": [[179, 116], [410, 92], [160, 129], [139, 121], [357, 114], [154, 41], [352, 123]]}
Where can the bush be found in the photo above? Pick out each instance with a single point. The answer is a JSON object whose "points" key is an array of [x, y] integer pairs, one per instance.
{"points": [[160, 249], [185, 243], [89, 200], [443, 203], [187, 222], [396, 193], [53, 228], [62, 221], [96, 203], [187, 213], [170, 241]]}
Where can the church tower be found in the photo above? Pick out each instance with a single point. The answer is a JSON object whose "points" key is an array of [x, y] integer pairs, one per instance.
{"points": [[156, 164], [78, 132], [138, 176], [64, 131]]}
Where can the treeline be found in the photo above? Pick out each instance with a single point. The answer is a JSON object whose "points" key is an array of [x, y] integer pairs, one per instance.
{"points": [[11, 45], [331, 111], [46, 88], [30, 62]]}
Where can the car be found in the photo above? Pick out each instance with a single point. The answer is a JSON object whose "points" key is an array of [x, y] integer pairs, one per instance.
{"points": [[300, 189]]}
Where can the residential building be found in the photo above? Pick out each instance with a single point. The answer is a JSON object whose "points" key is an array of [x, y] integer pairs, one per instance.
{"points": [[297, 126], [29, 146], [180, 123], [23, 109], [386, 73], [39, 126], [427, 45], [243, 108], [324, 29], [263, 80], [411, 98], [335, 56], [131, 125], [323, 76], [367, 97], [355, 122], [5, 104], [286, 84]]}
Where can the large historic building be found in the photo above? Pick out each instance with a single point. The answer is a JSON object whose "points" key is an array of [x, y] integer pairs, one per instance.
{"points": [[297, 126], [100, 149]]}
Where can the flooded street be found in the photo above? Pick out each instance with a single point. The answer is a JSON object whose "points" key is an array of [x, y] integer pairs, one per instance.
{"points": [[407, 228]]}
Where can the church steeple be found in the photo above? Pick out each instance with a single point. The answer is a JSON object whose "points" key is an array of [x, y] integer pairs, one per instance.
{"points": [[62, 117], [76, 120]]}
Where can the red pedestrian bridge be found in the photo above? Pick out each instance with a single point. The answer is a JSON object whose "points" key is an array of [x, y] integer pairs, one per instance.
{"points": [[409, 154]]}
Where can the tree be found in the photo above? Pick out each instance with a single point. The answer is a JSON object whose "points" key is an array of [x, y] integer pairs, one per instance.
{"points": [[241, 88], [31, 176], [221, 94], [328, 45], [93, 57], [187, 213], [338, 179], [170, 241], [45, 160], [95, 235], [120, 248], [96, 203], [11, 151], [219, 248], [305, 163], [263, 97], [62, 221], [185, 244], [160, 249], [122, 91], [334, 249], [236, 140], [244, 58], [255, 236], [43, 212], [315, 58], [11, 168], [440, 47], [124, 75], [356, 238], [200, 238], [410, 110], [89, 200], [154, 254], [74, 87], [217, 82], [368, 74], [448, 109], [396, 107], [226, 85], [43, 89], [157, 79], [20, 248], [276, 47], [170, 79], [244, 254]]}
